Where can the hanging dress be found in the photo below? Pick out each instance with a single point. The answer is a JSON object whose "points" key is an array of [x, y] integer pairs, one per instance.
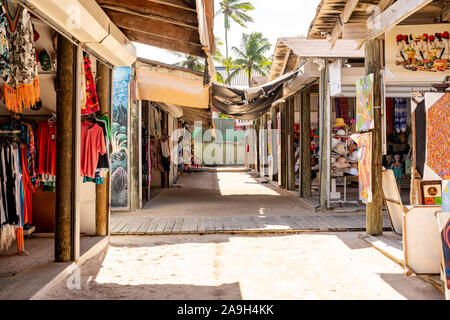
{"points": [[22, 86]]}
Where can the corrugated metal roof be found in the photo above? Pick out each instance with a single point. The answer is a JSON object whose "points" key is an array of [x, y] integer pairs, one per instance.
{"points": [[241, 79]]}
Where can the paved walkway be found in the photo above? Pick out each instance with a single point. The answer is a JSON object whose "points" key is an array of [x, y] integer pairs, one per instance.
{"points": [[229, 202]]}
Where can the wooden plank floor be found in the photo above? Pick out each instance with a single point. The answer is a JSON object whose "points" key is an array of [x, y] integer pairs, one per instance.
{"points": [[200, 225]]}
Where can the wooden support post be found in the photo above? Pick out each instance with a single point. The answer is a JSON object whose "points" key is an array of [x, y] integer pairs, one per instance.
{"points": [[65, 144], [102, 194], [273, 147], [324, 136], [374, 214], [165, 132], [263, 146], [305, 158], [283, 157], [258, 151], [290, 143]]}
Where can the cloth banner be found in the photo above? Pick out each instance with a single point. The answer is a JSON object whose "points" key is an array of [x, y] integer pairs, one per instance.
{"points": [[364, 142]]}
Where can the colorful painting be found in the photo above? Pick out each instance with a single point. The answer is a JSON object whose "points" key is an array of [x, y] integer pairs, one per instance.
{"points": [[364, 103], [446, 196], [446, 253], [420, 50], [438, 134], [431, 192], [364, 142], [119, 141]]}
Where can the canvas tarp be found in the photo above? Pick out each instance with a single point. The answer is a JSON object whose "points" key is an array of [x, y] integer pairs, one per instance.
{"points": [[248, 104], [171, 89]]}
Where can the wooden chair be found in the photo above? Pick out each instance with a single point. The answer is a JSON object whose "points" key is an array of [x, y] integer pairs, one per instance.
{"points": [[418, 227]]}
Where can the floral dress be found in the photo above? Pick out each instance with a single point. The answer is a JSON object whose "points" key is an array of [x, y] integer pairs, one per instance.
{"points": [[22, 84]]}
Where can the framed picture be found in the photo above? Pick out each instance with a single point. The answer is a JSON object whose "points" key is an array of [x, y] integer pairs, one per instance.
{"points": [[431, 192]]}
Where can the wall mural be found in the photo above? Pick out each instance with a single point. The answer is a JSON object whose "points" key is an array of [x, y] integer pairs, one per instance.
{"points": [[120, 153]]}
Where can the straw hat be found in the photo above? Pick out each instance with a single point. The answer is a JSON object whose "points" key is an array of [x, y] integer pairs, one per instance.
{"points": [[341, 132], [340, 148], [341, 163], [353, 171], [353, 157], [335, 142], [340, 123]]}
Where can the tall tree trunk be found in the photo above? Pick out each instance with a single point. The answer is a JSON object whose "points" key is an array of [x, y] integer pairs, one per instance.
{"points": [[249, 77]]}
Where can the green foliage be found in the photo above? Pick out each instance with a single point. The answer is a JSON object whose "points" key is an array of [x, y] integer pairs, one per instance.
{"points": [[237, 11], [190, 62], [250, 54]]}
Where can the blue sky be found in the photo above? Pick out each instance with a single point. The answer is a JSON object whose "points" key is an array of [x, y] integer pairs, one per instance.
{"points": [[274, 18]]}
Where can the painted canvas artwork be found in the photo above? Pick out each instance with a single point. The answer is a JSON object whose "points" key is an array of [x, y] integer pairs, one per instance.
{"points": [[364, 103], [364, 142], [120, 154], [438, 135]]}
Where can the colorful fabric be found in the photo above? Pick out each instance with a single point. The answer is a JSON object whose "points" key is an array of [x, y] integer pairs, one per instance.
{"points": [[364, 103], [364, 142], [46, 148], [445, 237], [91, 93], [21, 89], [438, 137], [400, 115], [5, 68]]}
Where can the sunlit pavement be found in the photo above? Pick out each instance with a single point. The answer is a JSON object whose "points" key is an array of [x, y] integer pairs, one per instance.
{"points": [[302, 266]]}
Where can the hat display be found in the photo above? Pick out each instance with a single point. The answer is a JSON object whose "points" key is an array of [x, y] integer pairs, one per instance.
{"points": [[341, 132], [340, 148], [334, 142], [341, 163], [340, 123], [353, 157]]}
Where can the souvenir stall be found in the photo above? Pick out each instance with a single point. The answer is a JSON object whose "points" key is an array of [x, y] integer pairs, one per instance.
{"points": [[27, 126], [159, 146], [28, 129]]}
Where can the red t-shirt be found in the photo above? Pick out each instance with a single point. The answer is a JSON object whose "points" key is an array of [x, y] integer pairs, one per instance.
{"points": [[46, 148], [92, 146]]}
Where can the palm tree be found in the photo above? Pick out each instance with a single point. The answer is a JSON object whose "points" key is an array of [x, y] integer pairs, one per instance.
{"points": [[236, 10], [191, 62], [228, 63], [251, 54]]}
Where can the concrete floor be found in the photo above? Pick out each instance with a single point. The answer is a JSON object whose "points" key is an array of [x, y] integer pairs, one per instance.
{"points": [[302, 266], [247, 266], [206, 194]]}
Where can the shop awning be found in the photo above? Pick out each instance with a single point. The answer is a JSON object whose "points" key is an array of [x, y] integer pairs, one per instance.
{"points": [[170, 88], [248, 104], [173, 110]]}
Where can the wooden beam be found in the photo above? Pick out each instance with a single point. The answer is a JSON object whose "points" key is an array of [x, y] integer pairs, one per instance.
{"points": [[348, 10], [188, 5], [283, 130], [374, 209], [344, 17], [158, 28], [153, 11], [393, 15], [102, 199], [290, 115], [305, 127], [64, 204], [285, 61], [164, 43]]}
